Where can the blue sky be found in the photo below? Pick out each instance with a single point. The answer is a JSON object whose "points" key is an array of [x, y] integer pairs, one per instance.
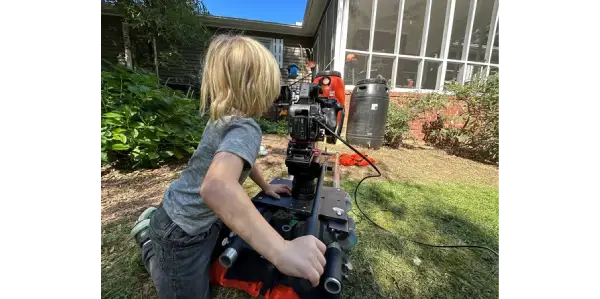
{"points": [[278, 11]]}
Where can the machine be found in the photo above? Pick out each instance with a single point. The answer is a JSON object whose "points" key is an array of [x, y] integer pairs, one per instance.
{"points": [[312, 209]]}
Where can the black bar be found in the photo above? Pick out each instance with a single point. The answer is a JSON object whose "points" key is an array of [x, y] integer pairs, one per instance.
{"points": [[312, 223], [312, 227]]}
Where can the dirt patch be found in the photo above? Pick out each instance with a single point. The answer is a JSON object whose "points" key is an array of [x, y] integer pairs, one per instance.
{"points": [[127, 193], [419, 164]]}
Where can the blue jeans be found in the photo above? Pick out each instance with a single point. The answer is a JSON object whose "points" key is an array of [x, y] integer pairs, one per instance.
{"points": [[177, 262]]}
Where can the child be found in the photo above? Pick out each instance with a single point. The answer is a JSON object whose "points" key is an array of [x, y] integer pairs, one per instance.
{"points": [[242, 79]]}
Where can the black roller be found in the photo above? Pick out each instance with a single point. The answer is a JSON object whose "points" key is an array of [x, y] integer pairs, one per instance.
{"points": [[332, 277], [286, 231], [231, 253]]}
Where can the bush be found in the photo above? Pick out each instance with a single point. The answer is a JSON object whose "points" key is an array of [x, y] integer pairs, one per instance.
{"points": [[144, 123], [267, 126], [478, 137], [397, 125]]}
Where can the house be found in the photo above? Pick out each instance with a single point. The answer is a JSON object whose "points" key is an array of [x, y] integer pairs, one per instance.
{"points": [[417, 45]]}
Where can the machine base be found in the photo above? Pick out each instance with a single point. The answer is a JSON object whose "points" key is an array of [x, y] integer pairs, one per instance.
{"points": [[255, 275], [289, 203]]}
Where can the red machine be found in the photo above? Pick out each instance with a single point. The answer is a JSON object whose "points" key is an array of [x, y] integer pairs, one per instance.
{"points": [[332, 84]]}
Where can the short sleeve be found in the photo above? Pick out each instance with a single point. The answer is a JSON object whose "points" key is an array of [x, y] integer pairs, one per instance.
{"points": [[242, 138]]}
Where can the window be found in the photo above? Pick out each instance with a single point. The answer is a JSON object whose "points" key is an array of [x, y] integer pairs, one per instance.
{"points": [[420, 44], [274, 45]]}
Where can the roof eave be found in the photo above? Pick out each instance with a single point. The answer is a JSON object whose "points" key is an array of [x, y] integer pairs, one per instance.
{"points": [[312, 16]]}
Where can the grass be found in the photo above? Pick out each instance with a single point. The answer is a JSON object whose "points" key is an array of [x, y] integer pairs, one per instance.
{"points": [[425, 195], [439, 213]]}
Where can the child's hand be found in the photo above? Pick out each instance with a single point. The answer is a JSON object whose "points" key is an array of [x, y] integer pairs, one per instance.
{"points": [[274, 190]]}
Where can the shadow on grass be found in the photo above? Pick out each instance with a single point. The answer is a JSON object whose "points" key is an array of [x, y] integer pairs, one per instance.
{"points": [[402, 269]]}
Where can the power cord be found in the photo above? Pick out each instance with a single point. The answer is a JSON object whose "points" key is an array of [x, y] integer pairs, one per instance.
{"points": [[378, 175]]}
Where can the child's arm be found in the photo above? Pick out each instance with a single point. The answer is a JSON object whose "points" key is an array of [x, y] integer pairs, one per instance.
{"points": [[272, 190], [258, 178], [221, 191]]}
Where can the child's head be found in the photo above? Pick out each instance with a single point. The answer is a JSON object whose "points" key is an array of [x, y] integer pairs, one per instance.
{"points": [[239, 73]]}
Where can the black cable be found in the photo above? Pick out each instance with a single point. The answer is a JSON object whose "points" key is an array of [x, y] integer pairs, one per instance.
{"points": [[300, 79], [378, 175]]}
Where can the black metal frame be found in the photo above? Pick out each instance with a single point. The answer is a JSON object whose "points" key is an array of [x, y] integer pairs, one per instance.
{"points": [[320, 217]]}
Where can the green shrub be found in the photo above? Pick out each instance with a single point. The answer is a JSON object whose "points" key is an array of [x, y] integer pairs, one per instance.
{"points": [[397, 125], [145, 123], [267, 126], [478, 137]]}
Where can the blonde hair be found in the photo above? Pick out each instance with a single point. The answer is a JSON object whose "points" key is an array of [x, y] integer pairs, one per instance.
{"points": [[239, 74]]}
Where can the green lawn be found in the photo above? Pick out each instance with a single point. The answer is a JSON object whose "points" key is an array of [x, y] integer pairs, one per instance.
{"points": [[447, 211]]}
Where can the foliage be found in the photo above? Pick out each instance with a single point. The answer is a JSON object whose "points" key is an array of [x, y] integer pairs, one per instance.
{"points": [[267, 126], [174, 23], [420, 104], [397, 125], [143, 123], [474, 131]]}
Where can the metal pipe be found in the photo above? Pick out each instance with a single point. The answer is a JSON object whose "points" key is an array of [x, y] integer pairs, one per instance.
{"points": [[333, 269], [286, 229], [231, 253]]}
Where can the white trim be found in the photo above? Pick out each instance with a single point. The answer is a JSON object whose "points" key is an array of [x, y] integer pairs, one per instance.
{"points": [[406, 90], [357, 51], [449, 20], [399, 27], [379, 54], [344, 38], [467, 41], [397, 42], [491, 36], [492, 33], [338, 62], [371, 36], [424, 36], [425, 33]]}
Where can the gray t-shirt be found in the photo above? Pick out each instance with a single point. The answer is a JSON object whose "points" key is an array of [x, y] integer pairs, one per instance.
{"points": [[182, 202]]}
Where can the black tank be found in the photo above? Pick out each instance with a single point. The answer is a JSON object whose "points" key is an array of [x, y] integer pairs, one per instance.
{"points": [[368, 113]]}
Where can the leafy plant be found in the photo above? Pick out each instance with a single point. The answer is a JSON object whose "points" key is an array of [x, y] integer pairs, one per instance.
{"points": [[144, 123], [170, 22], [267, 126], [397, 124], [420, 104], [474, 131]]}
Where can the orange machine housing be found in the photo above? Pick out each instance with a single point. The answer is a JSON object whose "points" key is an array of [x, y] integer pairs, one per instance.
{"points": [[217, 277], [332, 84]]}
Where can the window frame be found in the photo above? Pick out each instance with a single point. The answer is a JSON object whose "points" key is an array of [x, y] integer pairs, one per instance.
{"points": [[342, 51]]}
